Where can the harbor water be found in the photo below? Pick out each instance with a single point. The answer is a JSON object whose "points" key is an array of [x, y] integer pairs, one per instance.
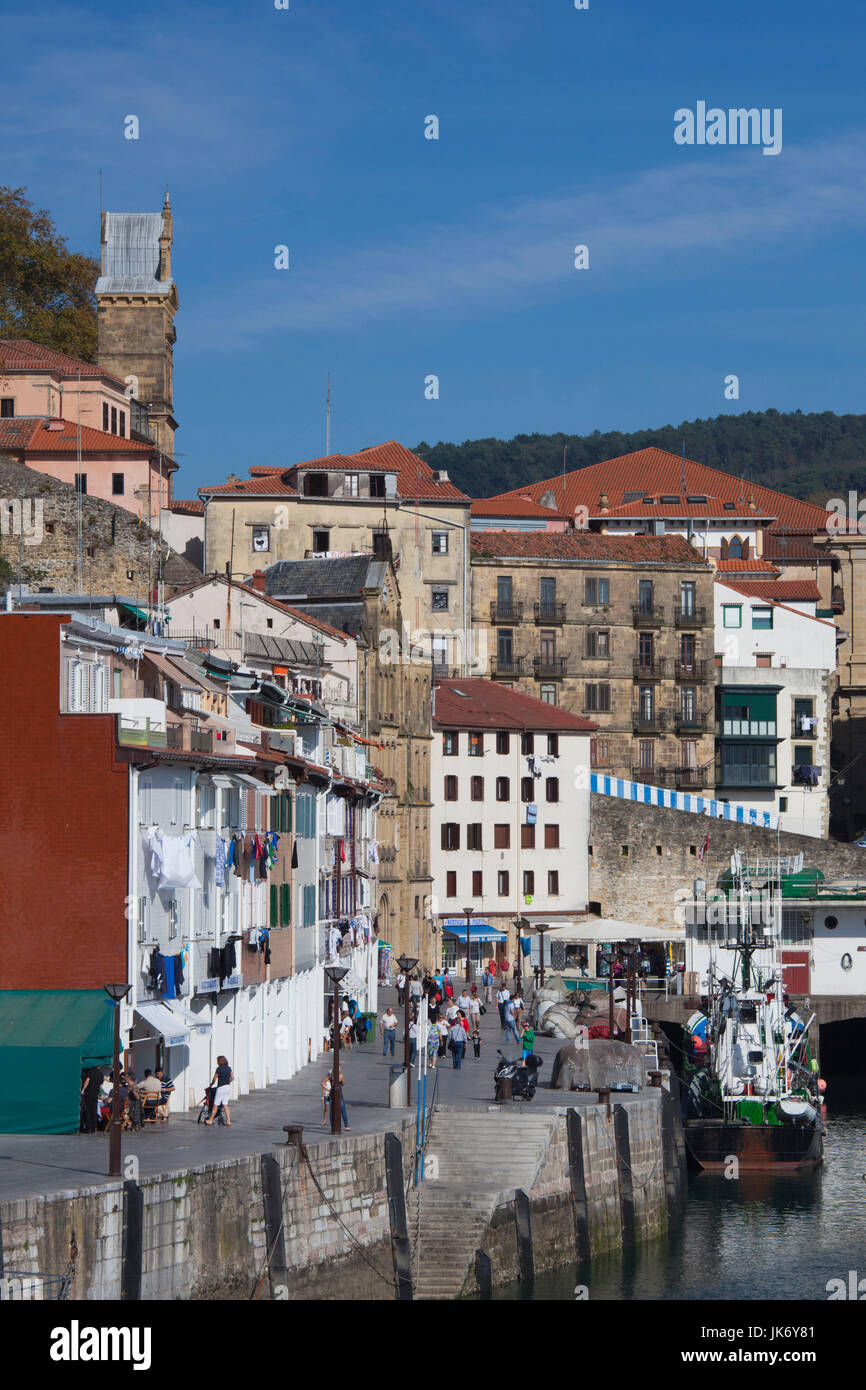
{"points": [[762, 1236]]}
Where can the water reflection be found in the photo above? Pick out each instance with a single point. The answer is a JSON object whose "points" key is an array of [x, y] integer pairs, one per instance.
{"points": [[765, 1236]]}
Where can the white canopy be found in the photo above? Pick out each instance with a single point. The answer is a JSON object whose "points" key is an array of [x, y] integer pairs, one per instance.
{"points": [[599, 929], [170, 1019]]}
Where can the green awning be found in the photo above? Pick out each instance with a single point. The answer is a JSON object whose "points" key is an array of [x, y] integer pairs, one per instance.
{"points": [[46, 1037], [139, 612]]}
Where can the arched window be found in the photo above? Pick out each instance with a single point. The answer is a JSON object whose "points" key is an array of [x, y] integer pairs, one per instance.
{"points": [[735, 548]]}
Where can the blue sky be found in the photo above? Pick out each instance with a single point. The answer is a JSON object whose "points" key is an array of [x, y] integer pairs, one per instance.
{"points": [[454, 257]]}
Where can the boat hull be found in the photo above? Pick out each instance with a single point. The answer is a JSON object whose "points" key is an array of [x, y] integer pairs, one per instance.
{"points": [[713, 1143]]}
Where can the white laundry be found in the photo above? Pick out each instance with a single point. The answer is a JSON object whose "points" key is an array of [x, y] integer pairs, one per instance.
{"points": [[171, 862], [373, 852]]}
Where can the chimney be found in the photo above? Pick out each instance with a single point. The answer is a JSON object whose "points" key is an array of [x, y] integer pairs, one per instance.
{"points": [[603, 504], [258, 582]]}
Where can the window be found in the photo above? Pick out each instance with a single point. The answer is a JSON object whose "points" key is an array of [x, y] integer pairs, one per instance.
{"points": [[597, 592], [735, 548], [646, 704], [476, 745], [527, 789], [783, 803], [504, 592], [748, 715], [173, 919], [645, 595], [687, 598], [476, 788], [548, 648], [547, 595], [688, 704], [450, 743], [477, 878], [503, 789], [217, 623], [502, 836], [377, 484], [551, 789], [598, 698], [105, 416], [269, 622], [261, 538], [689, 755], [81, 483], [687, 651], [350, 485], [801, 755], [527, 744], [762, 618], [439, 542], [117, 484], [321, 542], [90, 551], [527, 837], [553, 745], [116, 683], [450, 835], [646, 754], [7, 408], [719, 660], [598, 644], [122, 430], [764, 659], [732, 615], [141, 917], [747, 765], [177, 802], [439, 600], [553, 882], [49, 528], [451, 883], [548, 694], [503, 743], [551, 837], [504, 646], [450, 788], [473, 836], [114, 419], [528, 882], [502, 883], [599, 752]]}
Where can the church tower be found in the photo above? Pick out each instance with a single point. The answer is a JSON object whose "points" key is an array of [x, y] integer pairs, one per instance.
{"points": [[136, 301]]}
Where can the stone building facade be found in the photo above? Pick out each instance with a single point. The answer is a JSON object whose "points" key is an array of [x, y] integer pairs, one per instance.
{"points": [[117, 552], [616, 628]]}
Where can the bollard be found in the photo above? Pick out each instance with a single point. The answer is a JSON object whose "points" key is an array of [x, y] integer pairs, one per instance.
{"points": [[604, 1098], [655, 1078], [503, 1089], [294, 1135]]}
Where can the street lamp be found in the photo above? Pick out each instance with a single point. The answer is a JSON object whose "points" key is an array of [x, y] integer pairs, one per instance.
{"points": [[541, 928], [610, 957], [116, 994], [335, 974], [407, 963], [629, 949], [519, 923], [467, 913]]}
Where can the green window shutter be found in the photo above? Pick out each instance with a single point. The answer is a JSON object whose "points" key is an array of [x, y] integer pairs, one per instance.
{"points": [[285, 906], [274, 918], [288, 811]]}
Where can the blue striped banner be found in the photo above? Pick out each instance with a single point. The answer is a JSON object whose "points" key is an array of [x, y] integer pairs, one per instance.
{"points": [[680, 801]]}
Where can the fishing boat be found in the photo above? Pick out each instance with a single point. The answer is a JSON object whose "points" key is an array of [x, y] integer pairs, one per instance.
{"points": [[752, 1091]]}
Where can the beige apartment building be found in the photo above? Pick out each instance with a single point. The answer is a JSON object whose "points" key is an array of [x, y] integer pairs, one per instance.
{"points": [[383, 501], [616, 628]]}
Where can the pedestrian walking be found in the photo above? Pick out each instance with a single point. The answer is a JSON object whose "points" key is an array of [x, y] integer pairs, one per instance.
{"points": [[388, 1029], [447, 986], [457, 1044], [415, 991], [474, 1010], [509, 1023], [463, 1001], [527, 1039], [432, 1045], [476, 1044], [91, 1080], [501, 999], [413, 1042], [222, 1079], [443, 1028], [519, 1007], [328, 1098], [401, 989]]}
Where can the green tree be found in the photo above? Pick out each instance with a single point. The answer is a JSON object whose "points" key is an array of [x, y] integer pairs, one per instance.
{"points": [[46, 290]]}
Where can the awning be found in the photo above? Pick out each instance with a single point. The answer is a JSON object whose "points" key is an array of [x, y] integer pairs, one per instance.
{"points": [[170, 1020], [132, 608], [46, 1037], [601, 929], [478, 931]]}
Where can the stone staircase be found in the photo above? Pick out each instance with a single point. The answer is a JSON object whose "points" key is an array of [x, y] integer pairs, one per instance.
{"points": [[473, 1157]]}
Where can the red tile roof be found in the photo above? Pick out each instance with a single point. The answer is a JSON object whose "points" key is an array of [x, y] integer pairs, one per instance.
{"points": [[187, 507], [485, 704], [19, 354], [781, 545], [32, 435], [659, 471], [655, 507], [415, 478], [515, 506], [745, 567], [585, 545], [780, 590]]}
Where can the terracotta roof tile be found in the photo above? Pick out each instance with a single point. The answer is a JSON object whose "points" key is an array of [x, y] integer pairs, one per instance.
{"points": [[19, 354], [415, 478], [745, 567], [30, 434], [515, 506], [585, 545], [779, 590], [187, 507], [484, 704]]}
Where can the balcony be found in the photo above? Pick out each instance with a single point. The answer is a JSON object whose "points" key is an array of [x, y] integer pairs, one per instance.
{"points": [[201, 740], [652, 776], [549, 667], [140, 733], [690, 779], [649, 670], [506, 668], [692, 615], [506, 612], [691, 670], [649, 721], [546, 613], [647, 614], [691, 723], [174, 736]]}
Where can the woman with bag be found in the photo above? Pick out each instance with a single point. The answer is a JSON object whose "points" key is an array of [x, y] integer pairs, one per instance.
{"points": [[222, 1079]]}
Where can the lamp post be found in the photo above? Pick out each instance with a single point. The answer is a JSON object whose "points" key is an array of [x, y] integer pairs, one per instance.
{"points": [[519, 923], [467, 913], [407, 963], [610, 957], [629, 949], [335, 974], [541, 928], [116, 994]]}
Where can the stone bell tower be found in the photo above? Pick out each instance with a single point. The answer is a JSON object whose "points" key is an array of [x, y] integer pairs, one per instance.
{"points": [[136, 301]]}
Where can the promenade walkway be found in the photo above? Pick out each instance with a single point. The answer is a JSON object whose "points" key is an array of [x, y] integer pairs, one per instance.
{"points": [[40, 1164]]}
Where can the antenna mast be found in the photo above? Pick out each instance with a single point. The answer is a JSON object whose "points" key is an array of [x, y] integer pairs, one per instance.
{"points": [[328, 420]]}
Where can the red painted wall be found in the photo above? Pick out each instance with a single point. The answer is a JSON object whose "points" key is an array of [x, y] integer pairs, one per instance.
{"points": [[63, 824]]}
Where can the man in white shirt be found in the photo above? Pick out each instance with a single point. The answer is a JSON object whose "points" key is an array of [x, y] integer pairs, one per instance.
{"points": [[463, 1002], [388, 1027], [401, 988], [502, 999], [474, 1009]]}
